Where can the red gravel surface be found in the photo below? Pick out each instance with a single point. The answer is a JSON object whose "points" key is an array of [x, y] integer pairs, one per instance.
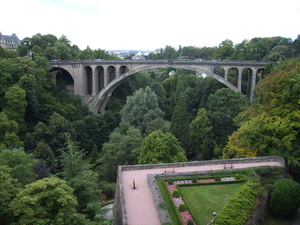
{"points": [[140, 207]]}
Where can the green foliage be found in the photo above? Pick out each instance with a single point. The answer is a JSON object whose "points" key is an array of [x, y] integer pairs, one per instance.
{"points": [[180, 123], [43, 201], [9, 188], [238, 176], [8, 132], [223, 106], [190, 222], [121, 149], [182, 207], [141, 108], [170, 181], [239, 205], [200, 134], [271, 125], [217, 178], [176, 193], [21, 164], [161, 148], [284, 198], [194, 180]]}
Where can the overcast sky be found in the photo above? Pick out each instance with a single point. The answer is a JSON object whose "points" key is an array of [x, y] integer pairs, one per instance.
{"points": [[151, 24]]}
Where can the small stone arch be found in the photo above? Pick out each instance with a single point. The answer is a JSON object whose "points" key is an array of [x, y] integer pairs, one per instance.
{"points": [[246, 84], [232, 76], [100, 73], [111, 73], [219, 71], [88, 80], [123, 69]]}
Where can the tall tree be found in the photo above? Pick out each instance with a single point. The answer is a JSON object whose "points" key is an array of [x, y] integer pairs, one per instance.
{"points": [[180, 123], [223, 106], [161, 148], [141, 108], [201, 135]]}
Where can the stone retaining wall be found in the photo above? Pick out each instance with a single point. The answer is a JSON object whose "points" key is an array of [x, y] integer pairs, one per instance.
{"points": [[120, 214]]}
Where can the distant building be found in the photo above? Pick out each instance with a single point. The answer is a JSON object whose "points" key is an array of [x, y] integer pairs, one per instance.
{"points": [[172, 72], [9, 42], [298, 37]]}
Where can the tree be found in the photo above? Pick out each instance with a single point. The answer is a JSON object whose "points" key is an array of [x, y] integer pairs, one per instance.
{"points": [[44, 201], [271, 125], [141, 108], [45, 153], [161, 148], [8, 132], [15, 104], [9, 187], [121, 149], [21, 164], [284, 198], [200, 135], [180, 123], [223, 106], [157, 124]]}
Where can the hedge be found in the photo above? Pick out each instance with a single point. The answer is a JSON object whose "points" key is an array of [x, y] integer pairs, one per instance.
{"points": [[239, 205]]}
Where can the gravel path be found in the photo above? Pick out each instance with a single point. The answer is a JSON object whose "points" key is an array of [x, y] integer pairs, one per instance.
{"points": [[139, 204]]}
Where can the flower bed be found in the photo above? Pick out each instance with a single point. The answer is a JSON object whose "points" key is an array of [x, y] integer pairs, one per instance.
{"points": [[186, 215]]}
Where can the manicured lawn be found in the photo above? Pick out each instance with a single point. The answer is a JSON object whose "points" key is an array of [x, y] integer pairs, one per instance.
{"points": [[203, 200]]}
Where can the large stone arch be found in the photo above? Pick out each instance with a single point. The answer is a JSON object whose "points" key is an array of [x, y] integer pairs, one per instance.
{"points": [[99, 102], [64, 77]]}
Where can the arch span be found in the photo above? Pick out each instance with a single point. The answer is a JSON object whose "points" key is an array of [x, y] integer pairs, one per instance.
{"points": [[99, 102]]}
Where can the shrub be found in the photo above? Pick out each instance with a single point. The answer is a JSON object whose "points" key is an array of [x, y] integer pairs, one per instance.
{"points": [[242, 202], [194, 180], [176, 193], [182, 207], [284, 198], [190, 222], [217, 178], [238, 176], [170, 181]]}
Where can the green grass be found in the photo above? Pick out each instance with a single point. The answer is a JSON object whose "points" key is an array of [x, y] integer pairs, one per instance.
{"points": [[202, 201], [166, 198]]}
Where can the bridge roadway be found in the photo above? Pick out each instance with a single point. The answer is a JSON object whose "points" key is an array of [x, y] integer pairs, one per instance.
{"points": [[95, 80]]}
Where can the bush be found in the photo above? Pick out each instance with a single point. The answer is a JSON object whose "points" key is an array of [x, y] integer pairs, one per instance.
{"points": [[176, 193], [242, 202], [190, 222], [182, 207], [284, 198], [217, 178], [194, 180], [170, 181], [238, 176]]}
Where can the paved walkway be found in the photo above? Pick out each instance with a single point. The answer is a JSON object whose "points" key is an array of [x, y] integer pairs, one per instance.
{"points": [[140, 207]]}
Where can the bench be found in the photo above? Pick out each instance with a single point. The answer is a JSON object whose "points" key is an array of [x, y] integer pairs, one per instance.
{"points": [[168, 168]]}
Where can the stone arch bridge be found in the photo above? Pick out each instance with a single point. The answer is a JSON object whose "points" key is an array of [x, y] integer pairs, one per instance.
{"points": [[95, 80]]}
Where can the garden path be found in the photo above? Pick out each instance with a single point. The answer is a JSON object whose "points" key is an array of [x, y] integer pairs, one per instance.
{"points": [[140, 207]]}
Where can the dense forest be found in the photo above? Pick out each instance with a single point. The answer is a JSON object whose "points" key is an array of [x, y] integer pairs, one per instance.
{"points": [[57, 159]]}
